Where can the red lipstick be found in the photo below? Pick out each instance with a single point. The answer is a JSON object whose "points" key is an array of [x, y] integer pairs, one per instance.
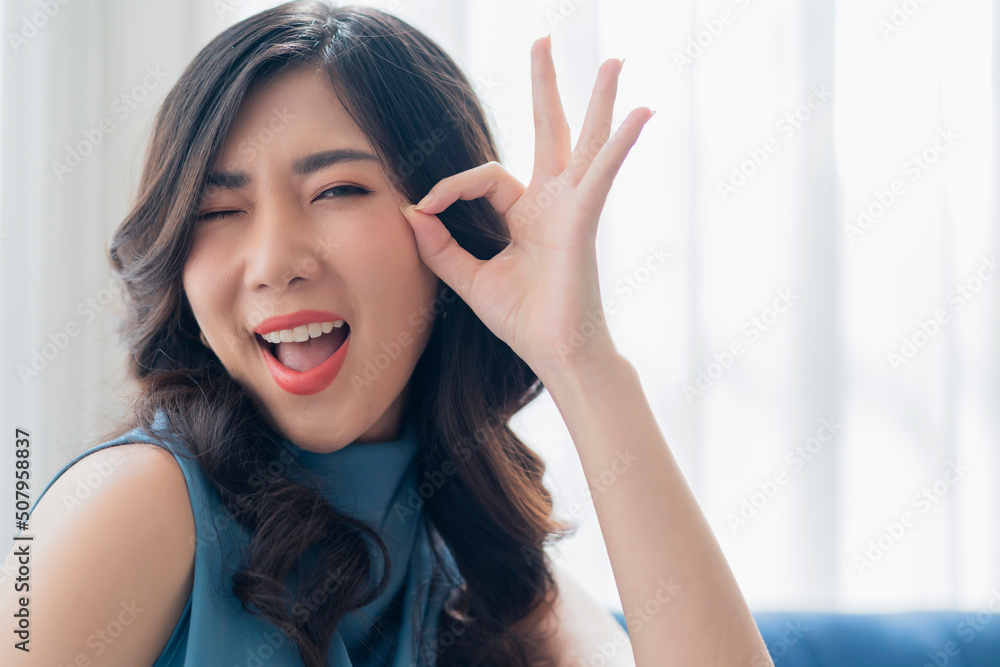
{"points": [[296, 319], [306, 382]]}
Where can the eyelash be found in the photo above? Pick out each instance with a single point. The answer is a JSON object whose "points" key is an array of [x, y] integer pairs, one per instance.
{"points": [[356, 190]]}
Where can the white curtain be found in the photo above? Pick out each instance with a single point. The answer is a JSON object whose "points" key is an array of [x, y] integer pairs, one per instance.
{"points": [[820, 344]]}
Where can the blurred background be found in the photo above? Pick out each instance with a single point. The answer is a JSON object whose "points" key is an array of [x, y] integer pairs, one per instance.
{"points": [[799, 256]]}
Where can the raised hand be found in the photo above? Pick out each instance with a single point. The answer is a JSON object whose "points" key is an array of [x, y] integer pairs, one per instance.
{"points": [[541, 291]]}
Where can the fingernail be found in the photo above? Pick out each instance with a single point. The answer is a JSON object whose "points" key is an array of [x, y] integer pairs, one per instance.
{"points": [[424, 202], [622, 61], [402, 207], [652, 113]]}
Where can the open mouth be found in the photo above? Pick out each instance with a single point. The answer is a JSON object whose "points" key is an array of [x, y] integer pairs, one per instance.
{"points": [[304, 356]]}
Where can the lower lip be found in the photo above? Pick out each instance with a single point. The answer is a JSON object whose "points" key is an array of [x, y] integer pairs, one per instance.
{"points": [[306, 382]]}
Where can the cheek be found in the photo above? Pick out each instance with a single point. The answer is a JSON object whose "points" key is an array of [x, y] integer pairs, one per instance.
{"points": [[405, 278], [190, 282], [422, 294], [204, 280], [390, 281], [382, 256]]}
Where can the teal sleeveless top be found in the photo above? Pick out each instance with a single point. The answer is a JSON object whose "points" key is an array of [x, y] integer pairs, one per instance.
{"points": [[375, 482]]}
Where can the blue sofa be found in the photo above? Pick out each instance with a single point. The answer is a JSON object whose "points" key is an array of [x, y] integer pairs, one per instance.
{"points": [[910, 639]]}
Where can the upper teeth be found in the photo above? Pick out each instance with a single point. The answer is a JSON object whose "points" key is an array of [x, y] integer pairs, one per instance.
{"points": [[302, 333]]}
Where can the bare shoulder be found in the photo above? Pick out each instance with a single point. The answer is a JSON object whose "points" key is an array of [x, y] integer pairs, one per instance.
{"points": [[111, 563], [585, 632]]}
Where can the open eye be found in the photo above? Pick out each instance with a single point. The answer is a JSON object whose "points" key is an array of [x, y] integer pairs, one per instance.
{"points": [[336, 192], [343, 191]]}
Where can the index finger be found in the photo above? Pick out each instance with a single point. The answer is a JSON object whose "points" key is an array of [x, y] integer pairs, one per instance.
{"points": [[489, 180]]}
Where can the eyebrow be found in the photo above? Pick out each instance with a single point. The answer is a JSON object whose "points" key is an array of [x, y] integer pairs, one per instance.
{"points": [[234, 180]]}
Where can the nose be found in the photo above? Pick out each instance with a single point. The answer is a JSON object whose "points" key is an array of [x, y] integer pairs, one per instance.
{"points": [[282, 248]]}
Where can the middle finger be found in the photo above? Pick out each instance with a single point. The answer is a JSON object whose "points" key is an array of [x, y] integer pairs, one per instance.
{"points": [[552, 138]]}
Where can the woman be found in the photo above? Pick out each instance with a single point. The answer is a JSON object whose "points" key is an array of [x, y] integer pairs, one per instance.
{"points": [[319, 443]]}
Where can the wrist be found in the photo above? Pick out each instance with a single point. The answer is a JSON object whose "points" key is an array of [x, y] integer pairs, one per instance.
{"points": [[589, 367]]}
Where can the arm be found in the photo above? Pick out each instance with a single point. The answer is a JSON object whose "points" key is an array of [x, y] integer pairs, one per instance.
{"points": [[534, 295], [665, 558], [120, 557]]}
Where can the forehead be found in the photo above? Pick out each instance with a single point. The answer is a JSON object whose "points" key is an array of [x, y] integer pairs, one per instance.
{"points": [[291, 114]]}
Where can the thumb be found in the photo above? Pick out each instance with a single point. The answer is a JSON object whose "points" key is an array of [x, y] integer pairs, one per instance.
{"points": [[442, 254]]}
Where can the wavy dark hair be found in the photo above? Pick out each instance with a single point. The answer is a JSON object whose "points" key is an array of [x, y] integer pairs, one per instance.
{"points": [[494, 514]]}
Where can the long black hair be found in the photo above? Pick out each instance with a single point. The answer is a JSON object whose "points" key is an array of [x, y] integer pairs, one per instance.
{"points": [[494, 513]]}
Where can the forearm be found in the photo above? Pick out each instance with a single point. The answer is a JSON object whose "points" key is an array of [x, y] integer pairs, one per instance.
{"points": [[662, 550]]}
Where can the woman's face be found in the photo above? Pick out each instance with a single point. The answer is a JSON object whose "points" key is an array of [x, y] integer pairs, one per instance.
{"points": [[314, 225]]}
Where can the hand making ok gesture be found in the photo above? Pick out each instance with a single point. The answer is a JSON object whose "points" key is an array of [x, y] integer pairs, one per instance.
{"points": [[537, 293]]}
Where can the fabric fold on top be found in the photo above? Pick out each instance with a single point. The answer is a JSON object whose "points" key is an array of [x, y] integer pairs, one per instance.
{"points": [[368, 481]]}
